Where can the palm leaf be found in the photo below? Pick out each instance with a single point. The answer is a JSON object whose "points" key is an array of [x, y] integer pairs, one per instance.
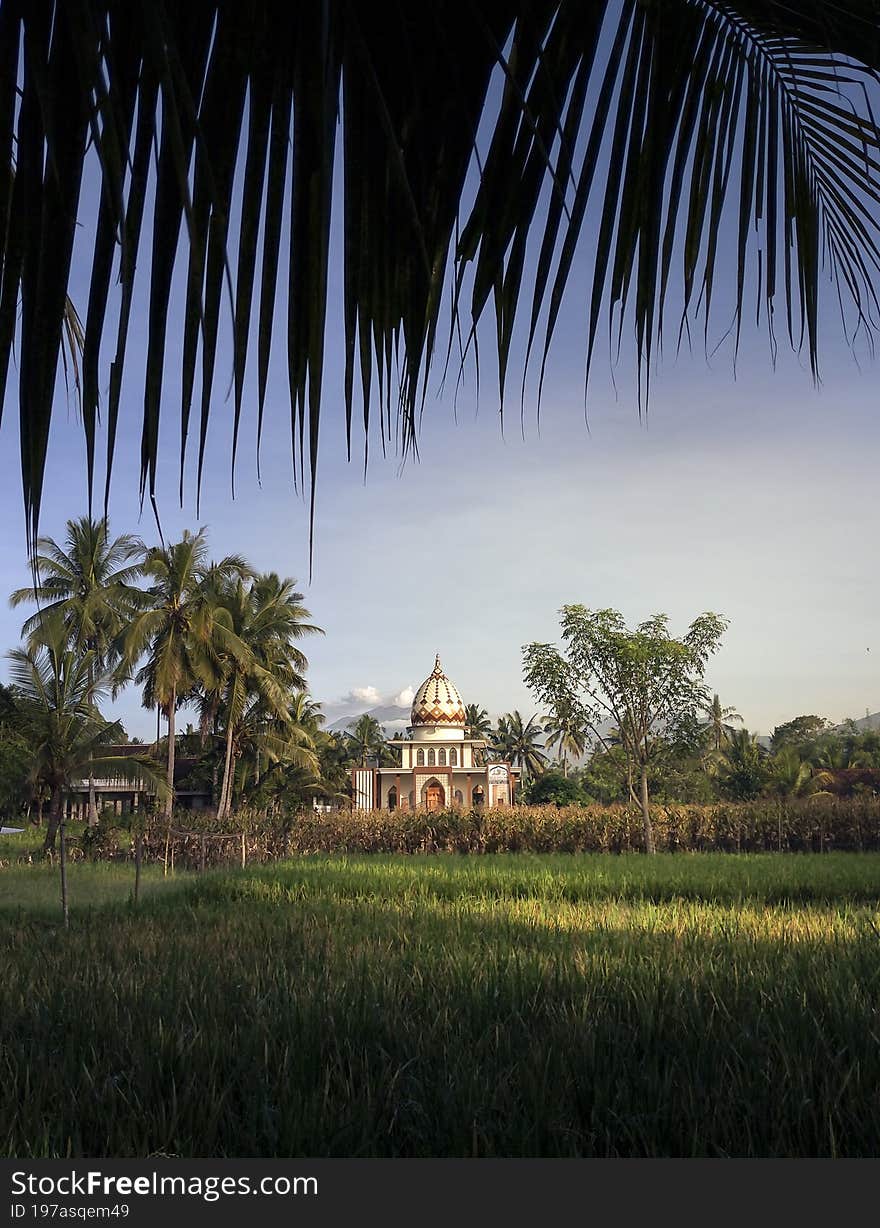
{"points": [[695, 143]]}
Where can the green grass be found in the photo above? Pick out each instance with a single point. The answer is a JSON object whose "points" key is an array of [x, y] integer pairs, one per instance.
{"points": [[509, 1005], [35, 889]]}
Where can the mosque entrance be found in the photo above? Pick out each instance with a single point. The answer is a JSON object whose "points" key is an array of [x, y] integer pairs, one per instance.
{"points": [[434, 798]]}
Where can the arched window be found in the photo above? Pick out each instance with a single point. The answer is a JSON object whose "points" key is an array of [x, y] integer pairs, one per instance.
{"points": [[441, 757], [453, 757], [431, 759], [459, 797], [420, 758]]}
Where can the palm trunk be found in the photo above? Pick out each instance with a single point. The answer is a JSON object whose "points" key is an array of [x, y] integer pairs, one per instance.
{"points": [[169, 801], [93, 809], [646, 809], [54, 821], [225, 797], [64, 908]]}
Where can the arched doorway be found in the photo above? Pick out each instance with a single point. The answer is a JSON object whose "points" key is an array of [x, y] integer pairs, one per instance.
{"points": [[478, 796], [392, 798], [433, 795]]}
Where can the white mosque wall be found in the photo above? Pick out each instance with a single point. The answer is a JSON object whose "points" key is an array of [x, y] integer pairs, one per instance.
{"points": [[437, 733], [410, 751], [454, 785]]}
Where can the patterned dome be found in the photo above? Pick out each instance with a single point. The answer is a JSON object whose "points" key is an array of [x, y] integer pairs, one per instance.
{"points": [[437, 701]]}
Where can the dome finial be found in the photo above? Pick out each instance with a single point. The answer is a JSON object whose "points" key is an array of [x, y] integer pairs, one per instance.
{"points": [[438, 668]]}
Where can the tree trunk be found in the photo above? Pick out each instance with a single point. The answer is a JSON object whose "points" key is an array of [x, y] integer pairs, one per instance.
{"points": [[169, 801], [64, 908], [225, 793], [54, 821], [646, 809], [93, 809]]}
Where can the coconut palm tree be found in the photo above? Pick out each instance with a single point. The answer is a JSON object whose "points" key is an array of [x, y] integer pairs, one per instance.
{"points": [[743, 152], [741, 770], [175, 631], [566, 732], [254, 629], [365, 739], [718, 726], [787, 774], [477, 722], [89, 583], [266, 744], [518, 742], [57, 689]]}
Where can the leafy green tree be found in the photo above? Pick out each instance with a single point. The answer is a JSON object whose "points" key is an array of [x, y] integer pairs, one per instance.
{"points": [[553, 787], [15, 756], [644, 681], [607, 775], [798, 732], [89, 583]]}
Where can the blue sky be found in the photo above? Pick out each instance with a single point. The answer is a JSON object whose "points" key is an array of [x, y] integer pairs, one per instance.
{"points": [[748, 494]]}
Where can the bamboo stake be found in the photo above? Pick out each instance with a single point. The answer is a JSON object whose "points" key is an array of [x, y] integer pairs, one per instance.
{"points": [[137, 866]]}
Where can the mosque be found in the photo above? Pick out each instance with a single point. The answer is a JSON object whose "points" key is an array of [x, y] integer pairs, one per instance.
{"points": [[440, 766]]}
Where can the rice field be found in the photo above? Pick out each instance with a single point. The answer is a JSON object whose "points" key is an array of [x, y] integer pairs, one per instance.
{"points": [[684, 1005]]}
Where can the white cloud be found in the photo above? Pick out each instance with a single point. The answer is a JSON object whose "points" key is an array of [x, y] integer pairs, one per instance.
{"points": [[363, 695], [405, 698]]}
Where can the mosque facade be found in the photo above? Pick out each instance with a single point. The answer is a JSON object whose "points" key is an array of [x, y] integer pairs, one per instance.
{"points": [[440, 766]]}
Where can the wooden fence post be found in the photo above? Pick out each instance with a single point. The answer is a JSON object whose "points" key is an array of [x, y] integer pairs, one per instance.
{"points": [[202, 853], [243, 851], [137, 866]]}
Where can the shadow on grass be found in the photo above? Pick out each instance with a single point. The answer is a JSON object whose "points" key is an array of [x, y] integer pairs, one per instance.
{"points": [[214, 1023]]}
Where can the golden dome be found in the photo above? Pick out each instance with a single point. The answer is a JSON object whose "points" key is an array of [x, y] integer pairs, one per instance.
{"points": [[437, 701]]}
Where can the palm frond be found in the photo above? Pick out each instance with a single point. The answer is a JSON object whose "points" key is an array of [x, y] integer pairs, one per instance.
{"points": [[702, 145]]}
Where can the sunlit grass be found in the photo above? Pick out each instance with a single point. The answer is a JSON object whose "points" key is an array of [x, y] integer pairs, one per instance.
{"points": [[36, 888], [528, 1005]]}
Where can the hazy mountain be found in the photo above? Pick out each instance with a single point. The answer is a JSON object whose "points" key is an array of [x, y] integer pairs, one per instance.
{"points": [[394, 718]]}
